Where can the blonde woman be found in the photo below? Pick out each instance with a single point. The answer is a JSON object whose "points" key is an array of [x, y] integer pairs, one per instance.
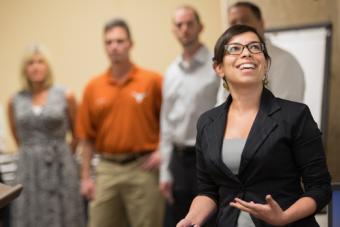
{"points": [[41, 115]]}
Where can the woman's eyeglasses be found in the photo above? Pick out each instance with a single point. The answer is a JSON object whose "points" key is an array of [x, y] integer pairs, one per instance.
{"points": [[237, 48]]}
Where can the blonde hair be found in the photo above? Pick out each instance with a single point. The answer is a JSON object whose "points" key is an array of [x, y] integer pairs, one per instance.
{"points": [[27, 56]]}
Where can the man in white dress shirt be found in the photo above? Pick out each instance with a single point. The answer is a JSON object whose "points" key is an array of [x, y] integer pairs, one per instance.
{"points": [[190, 88], [286, 77]]}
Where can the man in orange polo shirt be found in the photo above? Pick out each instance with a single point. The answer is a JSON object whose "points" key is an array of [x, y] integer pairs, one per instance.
{"points": [[119, 119]]}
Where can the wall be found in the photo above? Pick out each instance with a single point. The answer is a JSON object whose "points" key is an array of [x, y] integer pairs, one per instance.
{"points": [[72, 31], [286, 13]]}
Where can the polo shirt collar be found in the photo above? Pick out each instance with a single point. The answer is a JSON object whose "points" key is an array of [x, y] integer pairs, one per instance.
{"points": [[130, 76]]}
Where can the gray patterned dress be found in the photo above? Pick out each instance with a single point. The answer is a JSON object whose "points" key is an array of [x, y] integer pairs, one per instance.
{"points": [[46, 167]]}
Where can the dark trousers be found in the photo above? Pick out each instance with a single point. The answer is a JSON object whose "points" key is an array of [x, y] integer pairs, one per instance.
{"points": [[183, 169], [4, 212], [5, 216]]}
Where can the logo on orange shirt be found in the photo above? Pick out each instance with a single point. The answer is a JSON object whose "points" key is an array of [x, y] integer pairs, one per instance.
{"points": [[139, 96]]}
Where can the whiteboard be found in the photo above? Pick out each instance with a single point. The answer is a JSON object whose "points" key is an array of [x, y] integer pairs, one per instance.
{"points": [[310, 45]]}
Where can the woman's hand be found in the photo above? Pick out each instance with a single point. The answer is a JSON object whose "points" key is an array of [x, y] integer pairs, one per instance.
{"points": [[271, 212], [186, 223]]}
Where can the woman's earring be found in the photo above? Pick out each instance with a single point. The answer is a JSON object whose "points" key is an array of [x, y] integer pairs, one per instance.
{"points": [[225, 84], [265, 80]]}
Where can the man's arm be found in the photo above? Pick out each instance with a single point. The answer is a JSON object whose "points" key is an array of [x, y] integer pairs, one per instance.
{"points": [[165, 146], [152, 162]]}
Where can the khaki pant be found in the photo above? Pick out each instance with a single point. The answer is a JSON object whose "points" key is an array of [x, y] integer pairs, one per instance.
{"points": [[126, 196]]}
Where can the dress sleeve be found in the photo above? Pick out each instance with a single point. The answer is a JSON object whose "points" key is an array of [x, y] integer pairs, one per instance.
{"points": [[310, 157]]}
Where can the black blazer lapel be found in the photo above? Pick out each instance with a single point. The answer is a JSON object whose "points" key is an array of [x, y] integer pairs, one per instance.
{"points": [[261, 128], [215, 134]]}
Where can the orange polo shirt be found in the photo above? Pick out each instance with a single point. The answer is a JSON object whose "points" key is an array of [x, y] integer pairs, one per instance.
{"points": [[120, 118]]}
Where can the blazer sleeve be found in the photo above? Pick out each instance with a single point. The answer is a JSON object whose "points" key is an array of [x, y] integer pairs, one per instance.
{"points": [[310, 158], [206, 185]]}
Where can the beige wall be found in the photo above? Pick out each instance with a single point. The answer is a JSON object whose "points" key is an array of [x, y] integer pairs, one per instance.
{"points": [[72, 30], [283, 13]]}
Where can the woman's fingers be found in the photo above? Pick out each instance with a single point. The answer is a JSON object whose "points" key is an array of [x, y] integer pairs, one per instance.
{"points": [[271, 202], [250, 205], [270, 212], [240, 206], [255, 209]]}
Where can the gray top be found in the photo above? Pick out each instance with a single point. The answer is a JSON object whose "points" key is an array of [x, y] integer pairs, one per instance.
{"points": [[231, 154], [189, 89]]}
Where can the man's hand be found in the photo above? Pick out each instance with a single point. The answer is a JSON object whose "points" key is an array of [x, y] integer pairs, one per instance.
{"points": [[151, 161], [87, 188], [166, 190]]}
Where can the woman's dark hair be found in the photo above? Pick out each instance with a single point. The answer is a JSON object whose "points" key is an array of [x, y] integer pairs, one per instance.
{"points": [[235, 30]]}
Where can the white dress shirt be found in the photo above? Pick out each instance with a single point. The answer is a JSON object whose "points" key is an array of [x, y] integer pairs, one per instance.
{"points": [[189, 89]]}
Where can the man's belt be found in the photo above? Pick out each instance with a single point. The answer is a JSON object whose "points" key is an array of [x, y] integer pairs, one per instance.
{"points": [[123, 158], [184, 149]]}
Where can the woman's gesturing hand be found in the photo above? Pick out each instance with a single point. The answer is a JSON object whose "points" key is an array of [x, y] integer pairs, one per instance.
{"points": [[271, 212]]}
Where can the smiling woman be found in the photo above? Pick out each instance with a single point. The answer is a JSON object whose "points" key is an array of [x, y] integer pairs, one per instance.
{"points": [[247, 60], [253, 150]]}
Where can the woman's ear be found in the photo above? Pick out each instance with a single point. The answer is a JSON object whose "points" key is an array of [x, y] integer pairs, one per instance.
{"points": [[218, 69]]}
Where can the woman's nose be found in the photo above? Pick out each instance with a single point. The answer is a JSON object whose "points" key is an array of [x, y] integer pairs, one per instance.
{"points": [[245, 52]]}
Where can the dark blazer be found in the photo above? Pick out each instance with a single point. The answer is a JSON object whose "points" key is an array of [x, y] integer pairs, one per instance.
{"points": [[284, 146]]}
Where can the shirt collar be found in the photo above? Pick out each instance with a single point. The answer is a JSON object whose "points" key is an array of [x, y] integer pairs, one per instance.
{"points": [[200, 57], [130, 76]]}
